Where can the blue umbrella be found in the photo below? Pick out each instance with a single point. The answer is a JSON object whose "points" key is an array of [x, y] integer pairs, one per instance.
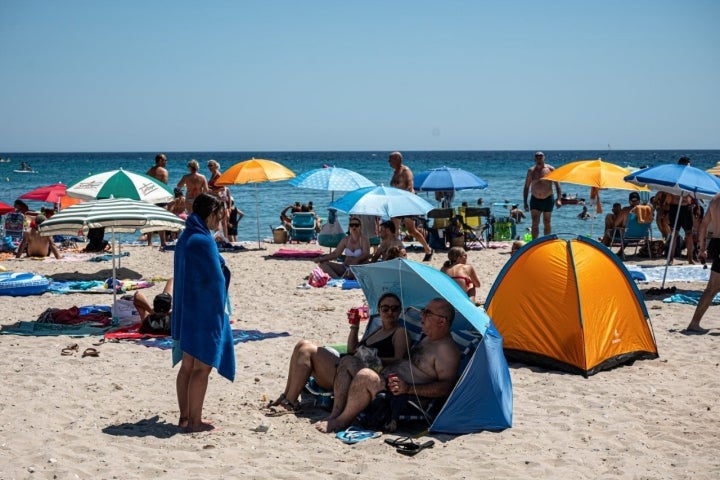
{"points": [[385, 202], [482, 398], [331, 178], [678, 180], [446, 178]]}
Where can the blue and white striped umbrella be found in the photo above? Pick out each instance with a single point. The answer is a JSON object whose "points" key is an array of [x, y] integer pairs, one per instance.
{"points": [[331, 178]]}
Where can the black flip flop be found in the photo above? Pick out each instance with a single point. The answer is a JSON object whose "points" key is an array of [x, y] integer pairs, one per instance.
{"points": [[411, 449]]}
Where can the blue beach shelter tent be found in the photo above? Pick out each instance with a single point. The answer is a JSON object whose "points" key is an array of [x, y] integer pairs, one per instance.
{"points": [[482, 398]]}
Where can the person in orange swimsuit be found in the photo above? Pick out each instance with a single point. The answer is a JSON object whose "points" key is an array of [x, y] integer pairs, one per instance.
{"points": [[457, 268]]}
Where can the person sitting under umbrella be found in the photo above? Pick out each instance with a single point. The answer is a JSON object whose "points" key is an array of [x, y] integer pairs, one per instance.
{"points": [[355, 248], [36, 245]]}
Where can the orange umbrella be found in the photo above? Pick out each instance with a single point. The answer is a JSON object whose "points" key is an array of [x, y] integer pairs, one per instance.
{"points": [[597, 175], [255, 170]]}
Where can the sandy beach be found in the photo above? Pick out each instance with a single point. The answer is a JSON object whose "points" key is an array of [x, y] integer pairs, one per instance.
{"points": [[113, 416]]}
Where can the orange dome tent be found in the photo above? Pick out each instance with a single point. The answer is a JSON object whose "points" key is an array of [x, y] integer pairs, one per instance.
{"points": [[570, 305]]}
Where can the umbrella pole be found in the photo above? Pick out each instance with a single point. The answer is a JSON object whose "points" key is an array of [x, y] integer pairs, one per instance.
{"points": [[257, 215], [114, 272], [671, 251]]}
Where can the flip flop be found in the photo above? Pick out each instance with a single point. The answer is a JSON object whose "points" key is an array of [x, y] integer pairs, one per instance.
{"points": [[90, 352], [70, 349], [354, 435], [412, 449]]}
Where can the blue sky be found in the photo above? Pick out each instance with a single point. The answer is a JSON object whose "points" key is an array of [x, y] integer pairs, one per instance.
{"points": [[177, 75]]}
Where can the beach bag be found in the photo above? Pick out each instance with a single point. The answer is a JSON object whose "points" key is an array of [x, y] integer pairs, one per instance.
{"points": [[318, 278]]}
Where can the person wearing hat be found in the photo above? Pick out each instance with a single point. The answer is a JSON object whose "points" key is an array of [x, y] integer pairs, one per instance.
{"points": [[36, 245], [389, 243], [541, 201]]}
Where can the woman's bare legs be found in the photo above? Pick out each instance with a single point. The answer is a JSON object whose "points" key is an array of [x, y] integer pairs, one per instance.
{"points": [[191, 385], [307, 359]]}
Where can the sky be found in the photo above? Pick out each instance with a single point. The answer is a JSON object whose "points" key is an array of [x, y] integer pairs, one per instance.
{"points": [[303, 75]]}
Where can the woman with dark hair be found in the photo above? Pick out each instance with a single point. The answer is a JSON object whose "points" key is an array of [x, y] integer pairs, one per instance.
{"points": [[201, 333], [308, 358], [456, 267]]}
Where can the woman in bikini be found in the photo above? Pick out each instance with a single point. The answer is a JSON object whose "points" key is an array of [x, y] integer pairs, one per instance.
{"points": [[309, 358], [354, 247], [461, 272]]}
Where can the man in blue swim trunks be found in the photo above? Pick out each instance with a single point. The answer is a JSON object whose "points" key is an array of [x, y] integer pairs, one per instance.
{"points": [[541, 199]]}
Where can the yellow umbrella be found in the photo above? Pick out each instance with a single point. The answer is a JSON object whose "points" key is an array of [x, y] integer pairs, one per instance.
{"points": [[595, 174], [714, 170], [255, 170]]}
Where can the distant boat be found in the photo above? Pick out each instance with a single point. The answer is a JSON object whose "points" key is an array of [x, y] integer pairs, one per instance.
{"points": [[571, 200], [25, 171]]}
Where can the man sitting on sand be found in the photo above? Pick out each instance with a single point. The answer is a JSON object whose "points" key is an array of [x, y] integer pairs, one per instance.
{"points": [[34, 244], [389, 243], [433, 365]]}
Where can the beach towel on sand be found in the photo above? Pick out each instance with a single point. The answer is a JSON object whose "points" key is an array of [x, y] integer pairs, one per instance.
{"points": [[200, 324]]}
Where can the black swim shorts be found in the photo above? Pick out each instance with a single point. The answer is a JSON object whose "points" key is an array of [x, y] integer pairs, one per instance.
{"points": [[713, 249], [542, 204], [685, 221]]}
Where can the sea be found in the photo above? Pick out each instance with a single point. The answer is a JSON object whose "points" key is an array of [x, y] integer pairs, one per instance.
{"points": [[504, 171]]}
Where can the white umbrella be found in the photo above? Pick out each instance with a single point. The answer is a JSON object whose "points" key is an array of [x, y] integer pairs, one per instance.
{"points": [[119, 215], [121, 184]]}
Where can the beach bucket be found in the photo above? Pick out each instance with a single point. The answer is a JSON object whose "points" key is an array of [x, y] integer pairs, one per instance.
{"points": [[280, 235]]}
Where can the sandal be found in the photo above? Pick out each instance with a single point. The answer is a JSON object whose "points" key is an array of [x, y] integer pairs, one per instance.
{"points": [[70, 349], [411, 449], [90, 352]]}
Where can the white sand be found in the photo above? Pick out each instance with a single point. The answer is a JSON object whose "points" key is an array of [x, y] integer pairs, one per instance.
{"points": [[112, 416]]}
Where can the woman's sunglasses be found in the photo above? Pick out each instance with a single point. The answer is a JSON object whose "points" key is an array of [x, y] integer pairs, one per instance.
{"points": [[389, 308]]}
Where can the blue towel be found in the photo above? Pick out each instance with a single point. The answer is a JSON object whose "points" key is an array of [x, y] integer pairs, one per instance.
{"points": [[200, 322]]}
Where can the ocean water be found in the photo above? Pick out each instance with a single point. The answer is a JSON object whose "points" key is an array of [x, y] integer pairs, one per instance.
{"points": [[504, 172]]}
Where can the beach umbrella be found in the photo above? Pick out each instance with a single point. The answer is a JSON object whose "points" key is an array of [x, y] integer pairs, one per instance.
{"points": [[482, 398], [595, 174], [119, 215], [678, 180], [255, 170], [385, 202], [331, 178], [5, 208], [48, 194], [714, 170], [446, 179], [121, 184]]}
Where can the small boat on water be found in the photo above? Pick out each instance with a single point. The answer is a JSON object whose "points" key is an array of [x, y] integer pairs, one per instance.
{"points": [[566, 199], [25, 171]]}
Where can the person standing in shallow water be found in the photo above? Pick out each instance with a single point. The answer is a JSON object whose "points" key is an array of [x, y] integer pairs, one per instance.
{"points": [[541, 200]]}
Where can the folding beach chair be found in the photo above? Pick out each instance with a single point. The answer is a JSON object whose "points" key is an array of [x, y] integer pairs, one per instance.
{"points": [[303, 227]]}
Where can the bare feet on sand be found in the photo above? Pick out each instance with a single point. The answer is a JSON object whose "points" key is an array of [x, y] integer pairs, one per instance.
{"points": [[200, 427]]}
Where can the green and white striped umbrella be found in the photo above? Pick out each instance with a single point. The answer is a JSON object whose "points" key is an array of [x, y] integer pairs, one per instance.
{"points": [[121, 184], [115, 214]]}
